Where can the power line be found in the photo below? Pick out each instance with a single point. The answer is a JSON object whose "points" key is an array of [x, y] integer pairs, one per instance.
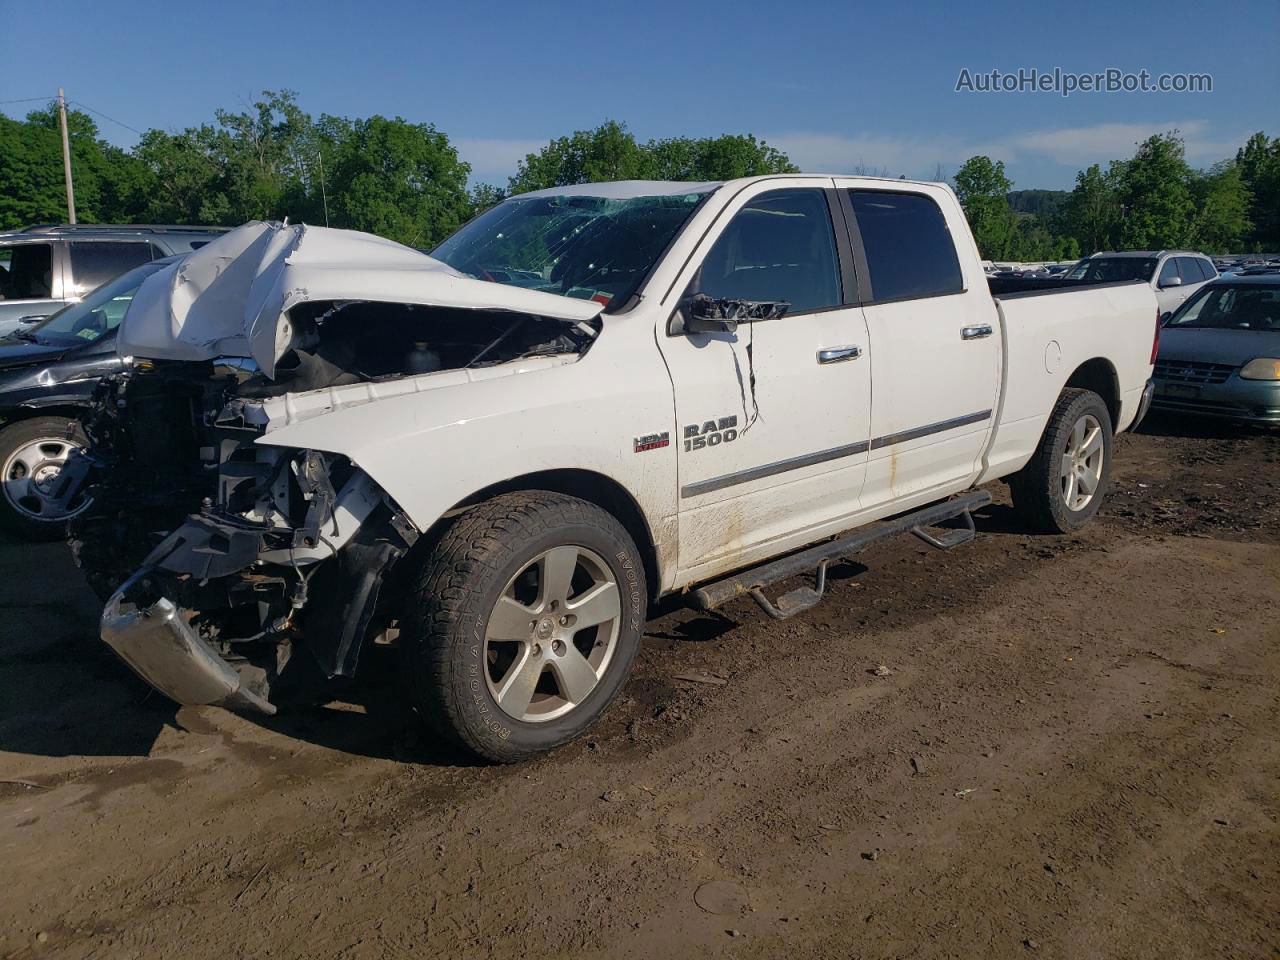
{"points": [[81, 103], [26, 100]]}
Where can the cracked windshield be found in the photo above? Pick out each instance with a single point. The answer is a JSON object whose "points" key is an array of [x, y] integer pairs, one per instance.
{"points": [[589, 248]]}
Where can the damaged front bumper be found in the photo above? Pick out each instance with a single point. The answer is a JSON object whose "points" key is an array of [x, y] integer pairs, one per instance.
{"points": [[158, 643]]}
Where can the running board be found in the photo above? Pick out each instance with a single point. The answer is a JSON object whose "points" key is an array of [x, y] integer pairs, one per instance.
{"points": [[752, 582]]}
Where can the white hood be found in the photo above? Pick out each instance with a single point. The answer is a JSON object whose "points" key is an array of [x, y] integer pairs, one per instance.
{"points": [[232, 296]]}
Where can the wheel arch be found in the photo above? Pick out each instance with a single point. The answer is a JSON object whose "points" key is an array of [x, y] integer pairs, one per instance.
{"points": [[596, 488], [1099, 375], [16, 413]]}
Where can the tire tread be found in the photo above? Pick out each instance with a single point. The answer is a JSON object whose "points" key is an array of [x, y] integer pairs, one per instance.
{"points": [[451, 585]]}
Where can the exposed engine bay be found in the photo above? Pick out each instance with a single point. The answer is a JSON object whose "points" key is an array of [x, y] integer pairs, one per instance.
{"points": [[257, 551]]}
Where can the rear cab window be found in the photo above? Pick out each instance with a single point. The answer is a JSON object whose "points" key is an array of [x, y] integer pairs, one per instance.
{"points": [[26, 271], [908, 247]]}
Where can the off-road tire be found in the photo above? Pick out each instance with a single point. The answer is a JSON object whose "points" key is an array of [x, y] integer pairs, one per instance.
{"points": [[459, 583], [13, 437], [1037, 487]]}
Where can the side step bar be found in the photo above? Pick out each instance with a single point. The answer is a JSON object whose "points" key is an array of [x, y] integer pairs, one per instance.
{"points": [[816, 558]]}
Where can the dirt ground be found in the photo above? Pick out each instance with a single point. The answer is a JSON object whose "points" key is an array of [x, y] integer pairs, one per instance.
{"points": [[1074, 754]]}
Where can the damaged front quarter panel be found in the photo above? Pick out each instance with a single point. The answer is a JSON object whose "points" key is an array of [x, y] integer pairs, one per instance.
{"points": [[292, 556]]}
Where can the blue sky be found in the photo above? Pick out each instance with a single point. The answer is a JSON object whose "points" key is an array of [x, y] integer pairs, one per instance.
{"points": [[837, 84]]}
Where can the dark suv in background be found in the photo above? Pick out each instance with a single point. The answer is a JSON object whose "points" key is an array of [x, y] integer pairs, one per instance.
{"points": [[49, 370], [45, 267]]}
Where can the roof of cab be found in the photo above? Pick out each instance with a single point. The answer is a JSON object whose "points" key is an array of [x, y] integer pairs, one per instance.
{"points": [[631, 189]]}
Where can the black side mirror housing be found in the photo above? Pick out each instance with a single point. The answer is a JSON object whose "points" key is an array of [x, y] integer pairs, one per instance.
{"points": [[707, 314]]}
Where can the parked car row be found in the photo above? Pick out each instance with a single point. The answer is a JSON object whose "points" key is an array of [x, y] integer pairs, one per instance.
{"points": [[1174, 275], [1220, 352]]}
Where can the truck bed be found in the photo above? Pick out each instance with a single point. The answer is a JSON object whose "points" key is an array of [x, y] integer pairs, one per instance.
{"points": [[1006, 287]]}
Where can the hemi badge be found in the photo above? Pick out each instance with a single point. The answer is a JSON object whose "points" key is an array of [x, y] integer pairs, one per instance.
{"points": [[652, 441]]}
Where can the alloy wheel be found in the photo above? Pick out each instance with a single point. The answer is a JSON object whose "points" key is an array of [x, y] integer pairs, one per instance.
{"points": [[1082, 463], [552, 634]]}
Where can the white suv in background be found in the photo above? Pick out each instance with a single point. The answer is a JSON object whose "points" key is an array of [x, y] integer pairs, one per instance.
{"points": [[46, 266], [1173, 274]]}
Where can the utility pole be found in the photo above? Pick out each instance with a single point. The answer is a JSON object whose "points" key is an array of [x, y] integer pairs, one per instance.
{"points": [[66, 157]]}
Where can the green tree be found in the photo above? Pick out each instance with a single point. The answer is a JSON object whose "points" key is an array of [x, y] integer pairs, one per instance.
{"points": [[255, 165], [983, 188], [1155, 193], [1091, 214], [188, 170], [610, 152], [394, 178], [1221, 209], [483, 196], [726, 157], [109, 182], [1259, 164]]}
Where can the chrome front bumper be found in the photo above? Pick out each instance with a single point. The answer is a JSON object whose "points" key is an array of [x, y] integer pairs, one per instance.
{"points": [[160, 646], [1148, 392]]}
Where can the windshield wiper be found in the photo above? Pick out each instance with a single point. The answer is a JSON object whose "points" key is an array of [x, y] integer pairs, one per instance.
{"points": [[26, 335]]}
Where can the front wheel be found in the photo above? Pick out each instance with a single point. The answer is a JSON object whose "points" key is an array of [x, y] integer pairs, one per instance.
{"points": [[524, 623], [1063, 485], [32, 455]]}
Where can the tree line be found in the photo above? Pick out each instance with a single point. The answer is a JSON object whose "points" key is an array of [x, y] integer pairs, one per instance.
{"points": [[384, 175], [405, 181], [1151, 201]]}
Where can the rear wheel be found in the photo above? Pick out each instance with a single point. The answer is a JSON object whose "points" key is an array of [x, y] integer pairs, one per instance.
{"points": [[1063, 485], [32, 455], [524, 623]]}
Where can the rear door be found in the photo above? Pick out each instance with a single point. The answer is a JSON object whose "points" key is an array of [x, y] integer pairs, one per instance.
{"points": [[934, 337], [774, 417], [29, 282]]}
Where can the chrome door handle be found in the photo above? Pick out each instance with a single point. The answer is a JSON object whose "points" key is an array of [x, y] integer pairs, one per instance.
{"points": [[839, 354], [975, 333]]}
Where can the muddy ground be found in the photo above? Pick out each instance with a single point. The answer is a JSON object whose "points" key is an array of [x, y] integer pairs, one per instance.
{"points": [[1076, 753]]}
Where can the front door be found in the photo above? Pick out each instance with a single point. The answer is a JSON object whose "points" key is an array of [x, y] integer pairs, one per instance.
{"points": [[772, 418]]}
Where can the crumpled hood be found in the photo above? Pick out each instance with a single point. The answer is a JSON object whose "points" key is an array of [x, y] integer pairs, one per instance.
{"points": [[232, 297]]}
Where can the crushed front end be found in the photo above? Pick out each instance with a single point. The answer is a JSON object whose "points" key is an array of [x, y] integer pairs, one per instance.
{"points": [[272, 551]]}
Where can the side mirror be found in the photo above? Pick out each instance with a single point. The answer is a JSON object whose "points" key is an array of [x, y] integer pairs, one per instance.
{"points": [[707, 314], [1166, 317], [1171, 282]]}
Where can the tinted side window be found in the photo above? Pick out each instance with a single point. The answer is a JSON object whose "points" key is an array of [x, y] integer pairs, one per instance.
{"points": [[909, 249], [1207, 268], [780, 246], [26, 271], [93, 263], [1189, 267], [1168, 271]]}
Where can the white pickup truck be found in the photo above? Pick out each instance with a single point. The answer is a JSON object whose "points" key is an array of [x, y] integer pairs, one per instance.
{"points": [[588, 397]]}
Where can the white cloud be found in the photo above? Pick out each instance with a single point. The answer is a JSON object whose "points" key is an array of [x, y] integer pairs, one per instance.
{"points": [[494, 159], [920, 155]]}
